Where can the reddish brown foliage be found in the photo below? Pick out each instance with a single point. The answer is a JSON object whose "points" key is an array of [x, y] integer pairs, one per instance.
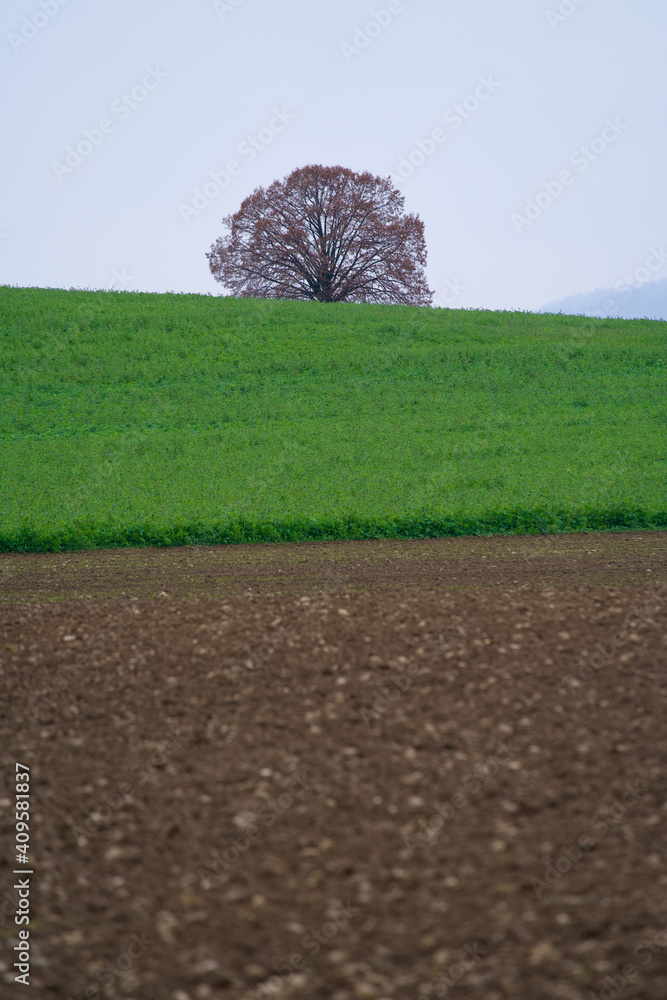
{"points": [[324, 233]]}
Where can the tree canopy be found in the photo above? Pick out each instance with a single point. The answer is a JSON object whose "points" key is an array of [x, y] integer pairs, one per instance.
{"points": [[324, 233]]}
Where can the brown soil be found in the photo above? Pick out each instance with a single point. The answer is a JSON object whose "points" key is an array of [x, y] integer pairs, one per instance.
{"points": [[338, 771]]}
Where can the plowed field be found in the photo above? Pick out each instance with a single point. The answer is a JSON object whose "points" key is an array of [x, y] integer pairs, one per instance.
{"points": [[339, 770]]}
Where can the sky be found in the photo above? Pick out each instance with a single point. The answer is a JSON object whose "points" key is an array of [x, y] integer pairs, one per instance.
{"points": [[528, 135]]}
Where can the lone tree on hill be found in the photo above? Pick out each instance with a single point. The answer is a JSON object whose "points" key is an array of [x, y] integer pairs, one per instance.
{"points": [[324, 233]]}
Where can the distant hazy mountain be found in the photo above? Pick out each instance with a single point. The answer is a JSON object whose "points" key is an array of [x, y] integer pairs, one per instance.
{"points": [[647, 301]]}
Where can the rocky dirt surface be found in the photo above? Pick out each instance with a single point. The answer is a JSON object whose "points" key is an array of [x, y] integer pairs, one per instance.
{"points": [[340, 770], [605, 559]]}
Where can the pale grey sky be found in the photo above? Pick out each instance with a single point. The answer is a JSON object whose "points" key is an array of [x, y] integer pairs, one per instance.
{"points": [[474, 106]]}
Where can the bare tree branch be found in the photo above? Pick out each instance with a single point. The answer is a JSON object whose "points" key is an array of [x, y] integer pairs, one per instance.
{"points": [[324, 233]]}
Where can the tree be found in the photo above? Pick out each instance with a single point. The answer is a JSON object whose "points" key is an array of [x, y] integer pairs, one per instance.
{"points": [[324, 233]]}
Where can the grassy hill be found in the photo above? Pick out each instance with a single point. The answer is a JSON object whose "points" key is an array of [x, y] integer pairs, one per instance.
{"points": [[134, 418]]}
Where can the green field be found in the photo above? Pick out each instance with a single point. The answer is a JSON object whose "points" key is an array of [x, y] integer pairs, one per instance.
{"points": [[133, 418]]}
